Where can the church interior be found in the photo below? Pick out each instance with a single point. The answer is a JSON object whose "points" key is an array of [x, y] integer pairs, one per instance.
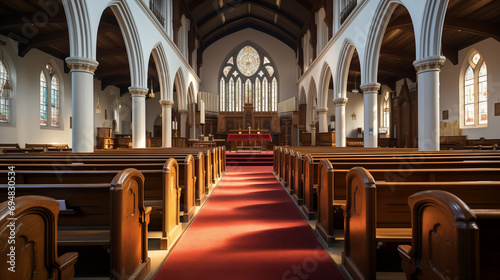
{"points": [[249, 139]]}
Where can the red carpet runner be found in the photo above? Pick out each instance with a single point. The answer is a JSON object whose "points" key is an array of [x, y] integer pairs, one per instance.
{"points": [[249, 229]]}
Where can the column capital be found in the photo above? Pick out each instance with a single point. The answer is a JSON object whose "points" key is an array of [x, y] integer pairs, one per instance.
{"points": [[81, 64], [322, 110], [370, 88], [166, 103], [138, 92], [183, 111], [341, 101], [431, 63], [313, 125]]}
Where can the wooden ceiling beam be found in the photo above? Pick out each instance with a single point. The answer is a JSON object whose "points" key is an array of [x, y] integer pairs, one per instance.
{"points": [[475, 27], [261, 4], [397, 53], [14, 20]]}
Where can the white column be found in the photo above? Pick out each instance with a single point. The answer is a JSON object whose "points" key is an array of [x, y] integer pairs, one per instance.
{"points": [[370, 94], [82, 87], [166, 122], [323, 119], [340, 104], [428, 102], [138, 116], [182, 122], [313, 134]]}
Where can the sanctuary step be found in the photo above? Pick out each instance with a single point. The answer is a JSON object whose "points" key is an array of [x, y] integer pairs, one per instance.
{"points": [[257, 158]]}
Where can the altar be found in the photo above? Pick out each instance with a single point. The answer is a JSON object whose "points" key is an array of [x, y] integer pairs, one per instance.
{"points": [[249, 141]]}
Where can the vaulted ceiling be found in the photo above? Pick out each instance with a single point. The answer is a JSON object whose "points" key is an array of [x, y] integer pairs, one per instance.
{"points": [[285, 20]]}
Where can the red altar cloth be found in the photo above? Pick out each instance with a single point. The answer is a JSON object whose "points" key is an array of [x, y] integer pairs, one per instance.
{"points": [[249, 137]]}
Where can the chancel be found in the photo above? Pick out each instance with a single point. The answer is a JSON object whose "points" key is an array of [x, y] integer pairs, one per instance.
{"points": [[298, 139]]}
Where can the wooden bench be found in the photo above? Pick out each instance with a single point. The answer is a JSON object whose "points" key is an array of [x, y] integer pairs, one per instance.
{"points": [[306, 181], [445, 238], [48, 147], [34, 234], [162, 191], [106, 223], [377, 212]]}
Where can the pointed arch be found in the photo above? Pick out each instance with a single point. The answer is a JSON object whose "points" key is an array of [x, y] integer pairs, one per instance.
{"points": [[161, 63], [429, 43], [179, 84], [138, 72], [370, 59], [326, 76], [81, 41], [346, 54]]}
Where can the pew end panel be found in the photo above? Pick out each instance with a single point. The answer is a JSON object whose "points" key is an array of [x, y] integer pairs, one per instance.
{"points": [[35, 240], [325, 202], [308, 183], [188, 189], [171, 205], [129, 259], [360, 225], [445, 238], [201, 195], [298, 195]]}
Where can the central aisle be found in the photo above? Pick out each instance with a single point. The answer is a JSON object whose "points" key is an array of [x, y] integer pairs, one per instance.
{"points": [[249, 229]]}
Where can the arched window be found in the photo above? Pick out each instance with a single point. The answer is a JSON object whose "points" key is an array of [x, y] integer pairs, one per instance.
{"points": [[475, 94], [238, 95], [4, 99], [265, 95], [43, 99], [49, 114], [252, 69], [258, 96], [387, 112], [274, 98], [222, 88]]}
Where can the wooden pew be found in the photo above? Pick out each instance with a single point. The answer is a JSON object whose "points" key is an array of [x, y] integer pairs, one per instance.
{"points": [[48, 147], [378, 212], [162, 190], [33, 235], [310, 173], [101, 217], [332, 186], [462, 244]]}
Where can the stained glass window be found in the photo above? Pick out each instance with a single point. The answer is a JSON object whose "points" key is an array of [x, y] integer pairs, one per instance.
{"points": [[54, 100], [265, 95], [222, 95], [248, 92], [5, 100], [475, 98], [239, 89], [476, 58], [258, 96], [483, 95], [248, 61], [231, 95], [386, 110], [238, 95], [226, 70], [274, 97], [43, 99], [270, 70]]}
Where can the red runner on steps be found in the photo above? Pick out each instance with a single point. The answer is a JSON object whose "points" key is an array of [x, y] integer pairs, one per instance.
{"points": [[249, 229]]}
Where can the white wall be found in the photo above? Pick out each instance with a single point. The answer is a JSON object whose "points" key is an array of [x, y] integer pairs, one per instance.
{"points": [[24, 126], [282, 55], [354, 104], [449, 88]]}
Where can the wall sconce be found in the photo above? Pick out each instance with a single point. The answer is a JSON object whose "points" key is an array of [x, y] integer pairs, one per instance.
{"points": [[353, 116], [151, 94], [98, 107]]}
